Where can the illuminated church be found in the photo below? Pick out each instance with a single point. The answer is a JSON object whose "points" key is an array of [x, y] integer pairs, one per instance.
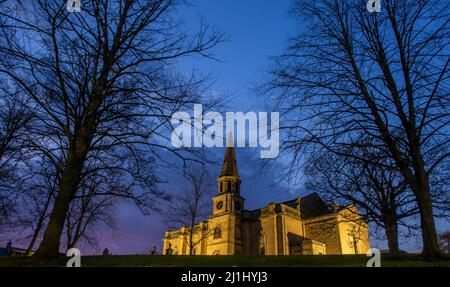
{"points": [[301, 226]]}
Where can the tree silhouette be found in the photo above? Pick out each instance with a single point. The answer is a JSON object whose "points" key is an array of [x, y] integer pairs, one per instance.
{"points": [[380, 194], [102, 89], [192, 205], [353, 77]]}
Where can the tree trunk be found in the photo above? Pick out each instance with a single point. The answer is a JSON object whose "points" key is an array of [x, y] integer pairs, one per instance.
{"points": [[422, 191], [191, 240], [49, 248], [391, 229], [420, 186], [70, 179], [429, 234]]}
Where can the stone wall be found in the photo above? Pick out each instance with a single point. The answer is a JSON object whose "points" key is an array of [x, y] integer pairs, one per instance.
{"points": [[274, 230], [325, 229]]}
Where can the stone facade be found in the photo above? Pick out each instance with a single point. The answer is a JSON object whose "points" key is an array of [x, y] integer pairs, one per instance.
{"points": [[302, 226]]}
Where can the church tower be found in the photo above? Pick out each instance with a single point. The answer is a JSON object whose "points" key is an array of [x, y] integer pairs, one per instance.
{"points": [[228, 199], [228, 205]]}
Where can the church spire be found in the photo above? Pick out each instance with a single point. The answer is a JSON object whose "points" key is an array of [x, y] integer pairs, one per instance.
{"points": [[229, 180], [229, 166]]}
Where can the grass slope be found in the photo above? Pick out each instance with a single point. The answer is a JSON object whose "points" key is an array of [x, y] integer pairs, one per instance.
{"points": [[217, 261]]}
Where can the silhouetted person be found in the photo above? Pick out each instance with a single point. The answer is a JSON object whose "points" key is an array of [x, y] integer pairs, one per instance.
{"points": [[154, 252], [106, 252], [9, 247], [169, 249]]}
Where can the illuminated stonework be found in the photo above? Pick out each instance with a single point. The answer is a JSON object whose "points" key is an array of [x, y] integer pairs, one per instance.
{"points": [[302, 226]]}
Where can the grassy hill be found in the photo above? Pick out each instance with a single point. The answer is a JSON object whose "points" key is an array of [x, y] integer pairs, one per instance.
{"points": [[244, 261]]}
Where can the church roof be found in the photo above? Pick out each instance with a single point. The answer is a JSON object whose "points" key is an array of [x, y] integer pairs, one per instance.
{"points": [[229, 166], [310, 206]]}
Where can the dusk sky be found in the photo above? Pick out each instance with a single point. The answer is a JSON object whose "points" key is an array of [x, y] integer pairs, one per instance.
{"points": [[256, 30]]}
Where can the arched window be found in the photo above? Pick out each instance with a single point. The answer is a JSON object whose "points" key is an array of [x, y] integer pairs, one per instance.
{"points": [[217, 233], [228, 186], [262, 244]]}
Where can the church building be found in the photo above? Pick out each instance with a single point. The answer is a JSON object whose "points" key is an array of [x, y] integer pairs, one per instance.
{"points": [[301, 226]]}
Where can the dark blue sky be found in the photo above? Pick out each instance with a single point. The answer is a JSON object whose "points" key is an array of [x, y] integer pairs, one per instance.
{"points": [[256, 30]]}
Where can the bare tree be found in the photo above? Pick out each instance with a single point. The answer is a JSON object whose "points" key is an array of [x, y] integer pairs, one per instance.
{"points": [[444, 240], [379, 78], [93, 204], [38, 196], [14, 121], [87, 213], [103, 90], [192, 205], [381, 194]]}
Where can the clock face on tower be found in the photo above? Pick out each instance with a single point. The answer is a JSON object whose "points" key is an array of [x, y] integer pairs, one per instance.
{"points": [[219, 205]]}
